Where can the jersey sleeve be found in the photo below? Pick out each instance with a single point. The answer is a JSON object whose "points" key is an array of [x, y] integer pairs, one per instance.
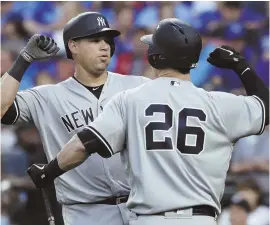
{"points": [[23, 108], [110, 125], [241, 115]]}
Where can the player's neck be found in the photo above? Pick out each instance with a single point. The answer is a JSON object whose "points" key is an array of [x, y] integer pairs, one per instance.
{"points": [[174, 74], [90, 80]]}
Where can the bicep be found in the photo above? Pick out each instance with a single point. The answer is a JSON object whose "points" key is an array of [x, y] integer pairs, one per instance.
{"points": [[24, 104], [31, 105], [20, 110], [243, 116], [11, 115]]}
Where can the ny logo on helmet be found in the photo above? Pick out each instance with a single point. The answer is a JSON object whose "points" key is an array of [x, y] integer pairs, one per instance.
{"points": [[101, 21]]}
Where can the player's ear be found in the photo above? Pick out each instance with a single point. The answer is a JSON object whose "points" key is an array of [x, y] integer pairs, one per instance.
{"points": [[72, 45]]}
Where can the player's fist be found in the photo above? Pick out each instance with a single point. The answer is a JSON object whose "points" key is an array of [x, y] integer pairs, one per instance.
{"points": [[39, 47], [38, 174], [226, 57]]}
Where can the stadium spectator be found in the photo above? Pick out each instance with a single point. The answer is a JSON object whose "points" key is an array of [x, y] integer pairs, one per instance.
{"points": [[14, 33], [234, 35], [125, 17], [201, 76], [65, 11], [251, 159], [7, 58], [262, 66], [243, 25], [23, 202], [156, 11], [133, 61], [246, 207], [44, 78], [231, 12], [199, 7]]}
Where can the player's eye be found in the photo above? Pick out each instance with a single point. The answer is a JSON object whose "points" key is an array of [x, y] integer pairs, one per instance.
{"points": [[96, 40]]}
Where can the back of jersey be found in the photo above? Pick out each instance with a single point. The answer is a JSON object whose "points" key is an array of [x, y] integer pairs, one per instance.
{"points": [[178, 151]]}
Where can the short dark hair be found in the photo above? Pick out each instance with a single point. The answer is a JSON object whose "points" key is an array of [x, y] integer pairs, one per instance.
{"points": [[233, 4], [249, 184], [183, 70]]}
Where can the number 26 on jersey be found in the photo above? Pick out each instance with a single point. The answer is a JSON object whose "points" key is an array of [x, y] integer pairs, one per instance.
{"points": [[182, 130]]}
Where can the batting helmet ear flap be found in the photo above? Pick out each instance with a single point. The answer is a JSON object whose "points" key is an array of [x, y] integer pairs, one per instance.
{"points": [[160, 62], [112, 44], [157, 61]]}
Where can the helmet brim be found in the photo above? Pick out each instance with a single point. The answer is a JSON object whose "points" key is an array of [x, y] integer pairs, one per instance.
{"points": [[102, 32], [110, 32], [153, 49], [147, 39]]}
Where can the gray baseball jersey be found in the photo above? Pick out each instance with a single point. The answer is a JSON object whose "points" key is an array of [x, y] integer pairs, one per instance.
{"points": [[179, 141], [59, 111]]}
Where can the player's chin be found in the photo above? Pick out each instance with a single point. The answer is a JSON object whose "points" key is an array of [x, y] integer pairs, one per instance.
{"points": [[103, 64], [99, 69]]}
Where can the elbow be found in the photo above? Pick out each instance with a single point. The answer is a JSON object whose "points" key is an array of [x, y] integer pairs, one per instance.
{"points": [[5, 105], [104, 153], [263, 95], [4, 109], [72, 155], [93, 144]]}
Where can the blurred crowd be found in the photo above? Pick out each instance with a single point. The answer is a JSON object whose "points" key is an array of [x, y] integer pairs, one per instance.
{"points": [[242, 25]]}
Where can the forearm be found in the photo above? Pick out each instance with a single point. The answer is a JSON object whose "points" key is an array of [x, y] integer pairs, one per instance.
{"points": [[10, 83], [263, 167], [250, 166], [38, 47], [254, 86], [240, 168], [72, 155]]}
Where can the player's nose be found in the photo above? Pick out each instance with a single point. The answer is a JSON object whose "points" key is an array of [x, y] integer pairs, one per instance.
{"points": [[104, 45]]}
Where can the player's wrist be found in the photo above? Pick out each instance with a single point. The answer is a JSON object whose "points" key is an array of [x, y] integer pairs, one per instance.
{"points": [[18, 68], [52, 170], [240, 67], [26, 56]]}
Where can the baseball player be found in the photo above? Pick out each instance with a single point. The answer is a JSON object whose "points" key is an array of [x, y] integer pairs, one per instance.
{"points": [[178, 148], [94, 193]]}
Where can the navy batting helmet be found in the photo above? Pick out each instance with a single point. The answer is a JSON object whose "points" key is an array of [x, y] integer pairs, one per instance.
{"points": [[174, 44], [88, 24]]}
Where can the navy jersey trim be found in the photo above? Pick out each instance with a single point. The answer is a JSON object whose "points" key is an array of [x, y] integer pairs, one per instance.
{"points": [[101, 138], [263, 114], [12, 114]]}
